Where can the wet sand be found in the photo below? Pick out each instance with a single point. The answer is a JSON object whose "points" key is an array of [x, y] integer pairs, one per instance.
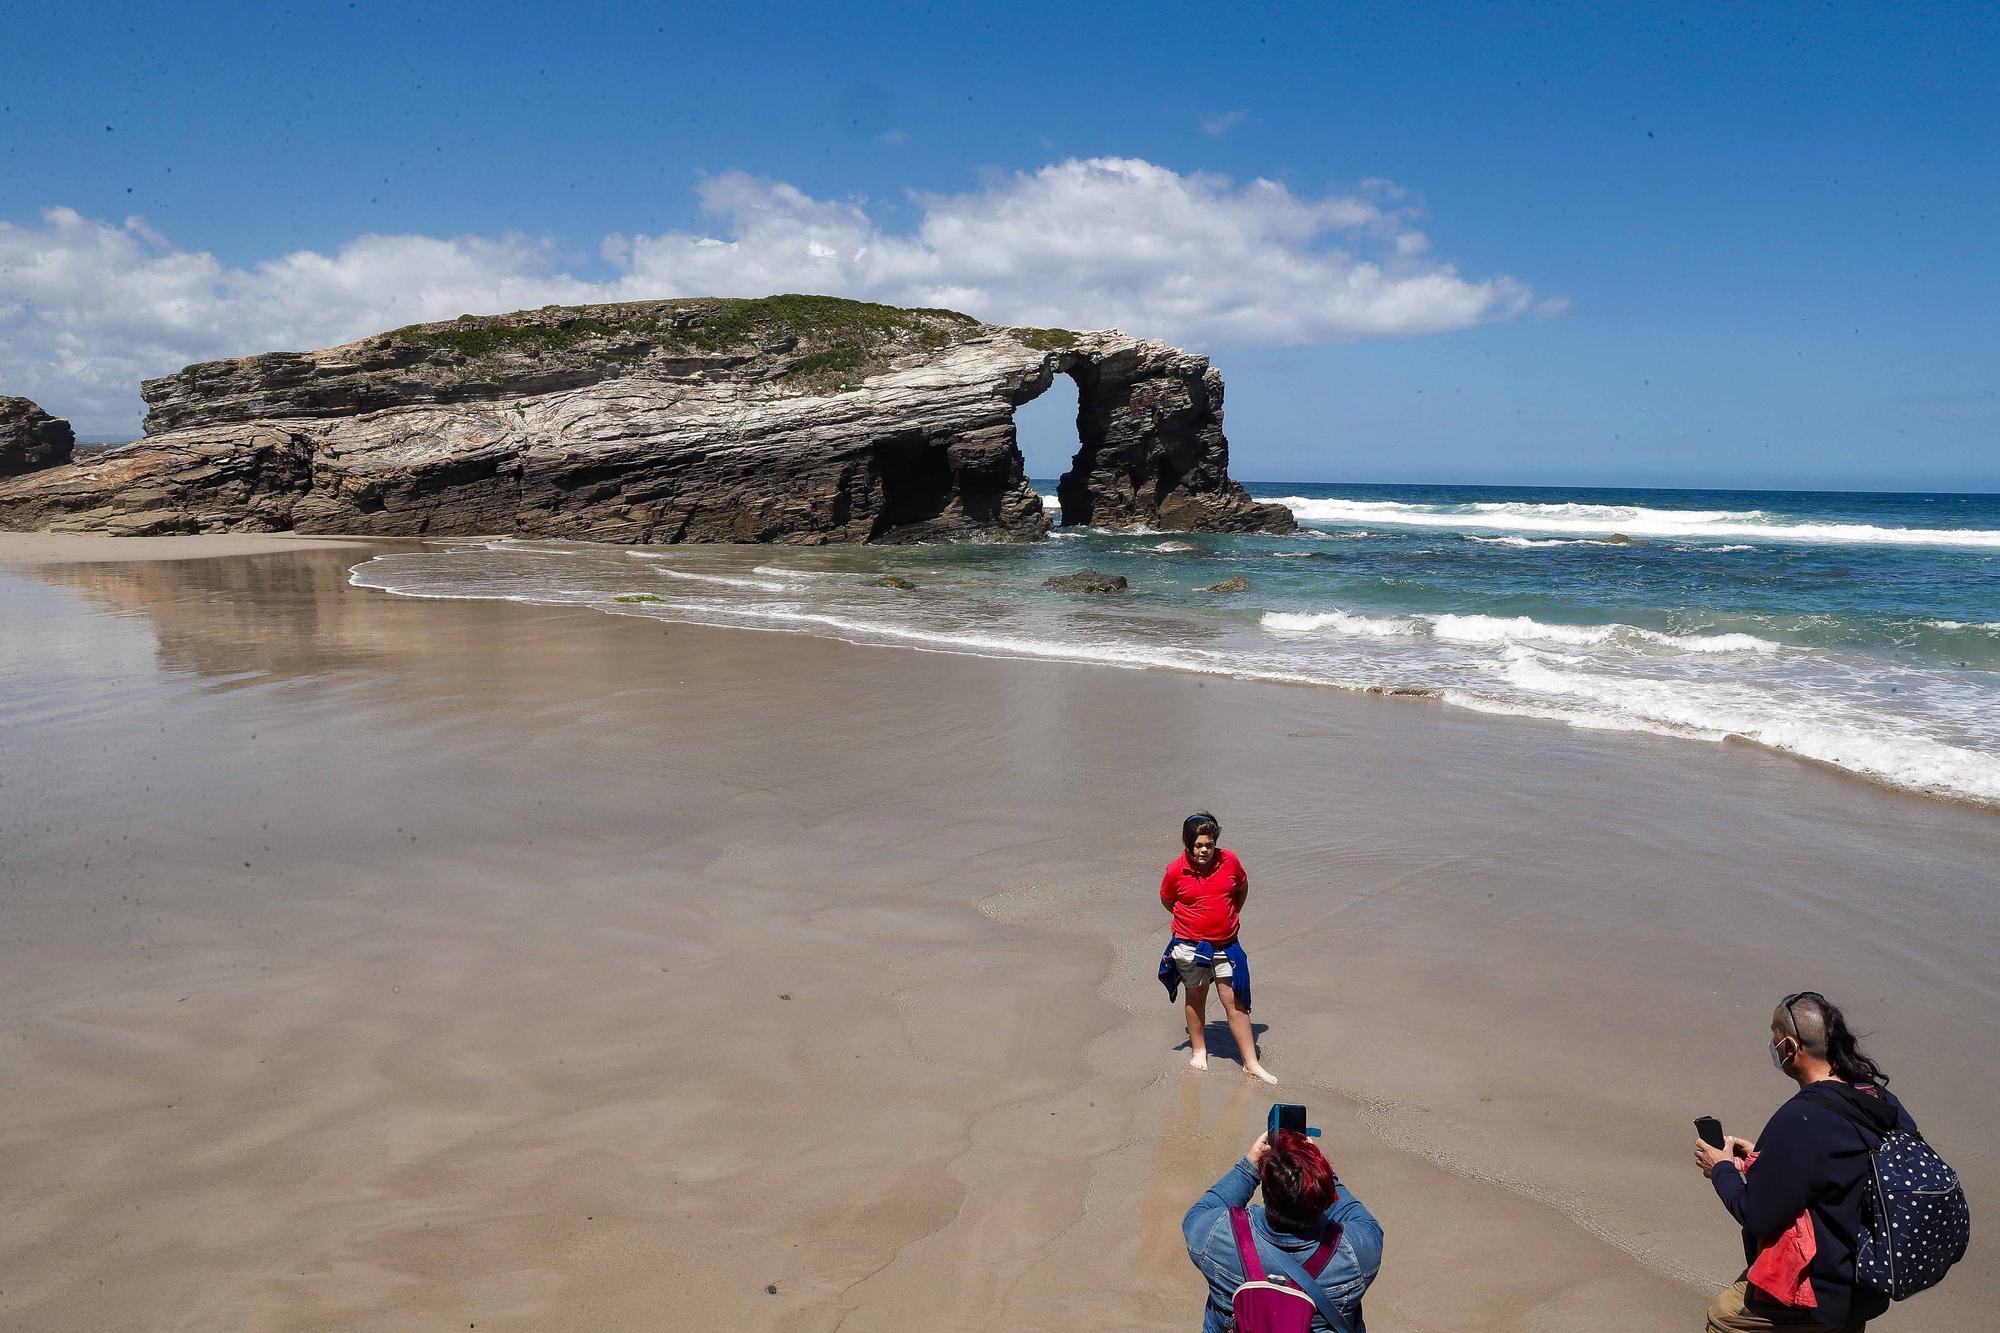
{"points": [[378, 963], [69, 548]]}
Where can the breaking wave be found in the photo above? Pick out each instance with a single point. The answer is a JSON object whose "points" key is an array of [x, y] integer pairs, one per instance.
{"points": [[1629, 520], [1469, 629], [1341, 622]]}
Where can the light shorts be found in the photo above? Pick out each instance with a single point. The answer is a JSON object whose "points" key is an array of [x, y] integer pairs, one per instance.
{"points": [[1194, 973]]}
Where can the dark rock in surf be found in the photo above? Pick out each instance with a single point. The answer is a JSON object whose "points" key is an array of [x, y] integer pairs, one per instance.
{"points": [[1087, 580]]}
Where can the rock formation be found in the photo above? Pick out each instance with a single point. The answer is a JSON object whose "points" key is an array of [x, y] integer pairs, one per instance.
{"points": [[792, 418], [1087, 580], [31, 439]]}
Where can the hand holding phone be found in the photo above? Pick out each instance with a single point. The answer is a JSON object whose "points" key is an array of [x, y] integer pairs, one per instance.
{"points": [[1709, 1129]]}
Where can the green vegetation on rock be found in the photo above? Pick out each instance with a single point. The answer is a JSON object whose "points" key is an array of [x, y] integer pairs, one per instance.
{"points": [[1048, 340], [474, 337], [837, 342], [636, 597], [832, 364], [831, 320]]}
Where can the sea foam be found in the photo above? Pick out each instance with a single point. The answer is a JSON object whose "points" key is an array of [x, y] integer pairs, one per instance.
{"points": [[1478, 629], [1873, 747], [1340, 622], [720, 580], [1631, 520]]}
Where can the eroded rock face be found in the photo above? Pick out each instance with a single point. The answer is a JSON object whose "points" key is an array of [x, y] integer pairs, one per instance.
{"points": [[31, 439], [792, 419], [1150, 421]]}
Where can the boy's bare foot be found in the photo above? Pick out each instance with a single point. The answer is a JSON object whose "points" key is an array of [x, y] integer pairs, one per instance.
{"points": [[1199, 1060], [1258, 1071]]}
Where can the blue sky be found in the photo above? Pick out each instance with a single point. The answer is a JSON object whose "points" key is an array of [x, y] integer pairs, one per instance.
{"points": [[1616, 245]]}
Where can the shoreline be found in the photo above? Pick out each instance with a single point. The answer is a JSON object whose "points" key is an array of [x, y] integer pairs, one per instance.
{"points": [[1496, 705], [1425, 882], [39, 548]]}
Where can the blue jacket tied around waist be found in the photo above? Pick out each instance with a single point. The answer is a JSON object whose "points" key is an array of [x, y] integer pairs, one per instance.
{"points": [[1204, 953]]}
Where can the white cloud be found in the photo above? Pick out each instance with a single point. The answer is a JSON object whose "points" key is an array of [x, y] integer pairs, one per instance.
{"points": [[88, 308], [1219, 123]]}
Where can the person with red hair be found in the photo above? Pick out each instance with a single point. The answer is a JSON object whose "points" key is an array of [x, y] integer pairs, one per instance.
{"points": [[1308, 1228]]}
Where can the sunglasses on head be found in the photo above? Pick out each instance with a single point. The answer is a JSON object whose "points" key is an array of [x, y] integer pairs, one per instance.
{"points": [[1794, 998]]}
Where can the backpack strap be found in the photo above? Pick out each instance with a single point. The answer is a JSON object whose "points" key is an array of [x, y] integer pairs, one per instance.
{"points": [[1310, 1287], [1317, 1261], [1246, 1245]]}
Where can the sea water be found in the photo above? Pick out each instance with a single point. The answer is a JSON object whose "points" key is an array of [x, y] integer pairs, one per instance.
{"points": [[1859, 630]]}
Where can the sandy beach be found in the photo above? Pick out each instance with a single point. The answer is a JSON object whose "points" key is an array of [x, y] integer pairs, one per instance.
{"points": [[381, 963]]}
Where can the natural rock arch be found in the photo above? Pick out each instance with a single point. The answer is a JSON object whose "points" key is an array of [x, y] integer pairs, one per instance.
{"points": [[787, 419], [1150, 448]]}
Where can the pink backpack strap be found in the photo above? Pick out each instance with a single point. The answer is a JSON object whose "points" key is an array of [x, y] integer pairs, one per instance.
{"points": [[1317, 1261], [1246, 1246]]}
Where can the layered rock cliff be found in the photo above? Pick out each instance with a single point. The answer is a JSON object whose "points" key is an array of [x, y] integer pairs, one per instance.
{"points": [[31, 439], [792, 418]]}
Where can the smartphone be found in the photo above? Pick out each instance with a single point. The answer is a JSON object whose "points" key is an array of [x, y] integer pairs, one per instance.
{"points": [[1287, 1115], [1710, 1130]]}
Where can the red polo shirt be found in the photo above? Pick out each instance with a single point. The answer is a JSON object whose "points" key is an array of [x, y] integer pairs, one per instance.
{"points": [[1206, 907]]}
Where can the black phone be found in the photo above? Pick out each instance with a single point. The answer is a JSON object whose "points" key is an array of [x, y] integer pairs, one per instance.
{"points": [[1287, 1115], [1710, 1130]]}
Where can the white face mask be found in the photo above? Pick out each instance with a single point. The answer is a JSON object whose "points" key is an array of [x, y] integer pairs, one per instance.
{"points": [[1777, 1059]]}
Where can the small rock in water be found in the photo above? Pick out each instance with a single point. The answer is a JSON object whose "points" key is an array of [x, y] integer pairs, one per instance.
{"points": [[894, 581], [1086, 580], [1236, 583], [636, 597], [1620, 539]]}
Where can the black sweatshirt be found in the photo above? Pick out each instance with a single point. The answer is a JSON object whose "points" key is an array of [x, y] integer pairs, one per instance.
{"points": [[1812, 1159]]}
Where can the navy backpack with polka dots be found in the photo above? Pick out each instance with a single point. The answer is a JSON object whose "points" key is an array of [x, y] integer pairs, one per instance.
{"points": [[1915, 1222]]}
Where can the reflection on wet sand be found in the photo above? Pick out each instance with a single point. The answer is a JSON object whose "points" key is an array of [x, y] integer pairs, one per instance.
{"points": [[256, 617]]}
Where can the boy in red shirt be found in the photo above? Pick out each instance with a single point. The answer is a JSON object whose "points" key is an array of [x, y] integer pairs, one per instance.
{"points": [[1205, 889]]}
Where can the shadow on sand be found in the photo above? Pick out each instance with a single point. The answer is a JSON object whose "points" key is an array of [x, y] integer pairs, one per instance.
{"points": [[1222, 1042]]}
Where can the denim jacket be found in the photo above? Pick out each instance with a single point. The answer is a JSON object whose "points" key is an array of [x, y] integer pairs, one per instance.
{"points": [[1212, 1245]]}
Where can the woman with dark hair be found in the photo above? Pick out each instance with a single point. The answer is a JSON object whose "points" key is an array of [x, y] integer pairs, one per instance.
{"points": [[1307, 1226], [1205, 888], [1811, 1159]]}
